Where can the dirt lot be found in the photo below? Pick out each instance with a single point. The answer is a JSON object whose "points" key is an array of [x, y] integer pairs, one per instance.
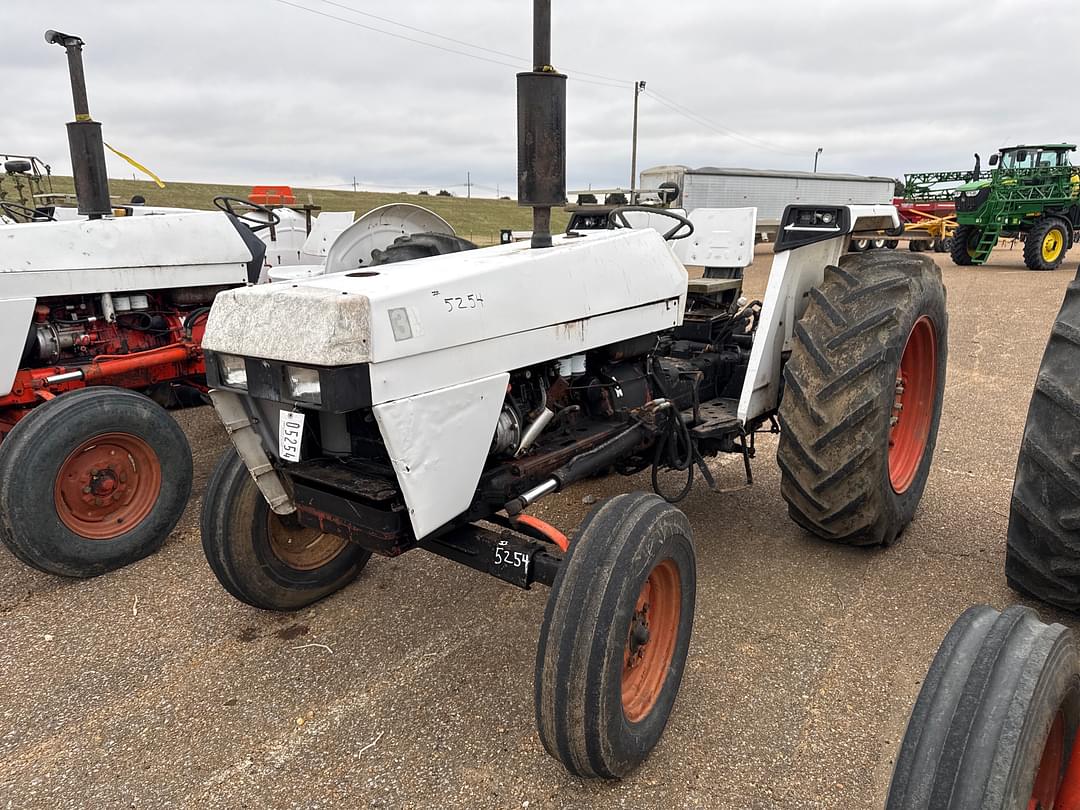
{"points": [[151, 687]]}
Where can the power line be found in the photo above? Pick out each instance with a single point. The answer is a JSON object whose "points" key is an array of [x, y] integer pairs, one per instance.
{"points": [[598, 80], [515, 57], [595, 79], [718, 128]]}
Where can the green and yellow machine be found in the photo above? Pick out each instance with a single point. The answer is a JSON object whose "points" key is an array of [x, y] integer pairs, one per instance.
{"points": [[1030, 192]]}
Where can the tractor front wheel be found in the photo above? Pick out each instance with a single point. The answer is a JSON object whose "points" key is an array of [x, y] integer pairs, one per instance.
{"points": [[615, 636], [995, 723], [267, 560], [964, 244], [1046, 244], [862, 397], [91, 481]]}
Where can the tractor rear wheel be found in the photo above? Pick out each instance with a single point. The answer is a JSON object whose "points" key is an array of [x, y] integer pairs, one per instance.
{"points": [[615, 636], [91, 481], [1046, 244], [267, 560], [1042, 556], [862, 398], [964, 242], [995, 722]]}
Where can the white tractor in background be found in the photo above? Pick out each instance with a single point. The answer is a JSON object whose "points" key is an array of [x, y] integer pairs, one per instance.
{"points": [[102, 311], [429, 398]]}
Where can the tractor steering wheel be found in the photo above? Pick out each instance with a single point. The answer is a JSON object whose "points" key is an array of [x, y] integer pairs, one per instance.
{"points": [[246, 213], [24, 213], [617, 219]]}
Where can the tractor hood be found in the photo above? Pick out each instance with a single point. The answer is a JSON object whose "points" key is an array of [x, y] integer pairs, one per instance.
{"points": [[976, 185], [425, 306]]}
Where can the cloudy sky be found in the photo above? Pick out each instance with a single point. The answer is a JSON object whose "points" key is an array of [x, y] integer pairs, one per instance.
{"points": [[317, 92]]}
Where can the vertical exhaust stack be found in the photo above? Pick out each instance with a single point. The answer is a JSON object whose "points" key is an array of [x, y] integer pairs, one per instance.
{"points": [[84, 136], [541, 131]]}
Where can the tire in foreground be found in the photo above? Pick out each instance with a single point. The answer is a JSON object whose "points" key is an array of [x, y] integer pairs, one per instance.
{"points": [[1042, 556], [995, 722]]}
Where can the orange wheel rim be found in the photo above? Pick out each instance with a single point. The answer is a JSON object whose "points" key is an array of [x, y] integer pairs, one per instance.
{"points": [[1044, 792], [107, 486], [913, 405], [650, 641], [300, 547]]}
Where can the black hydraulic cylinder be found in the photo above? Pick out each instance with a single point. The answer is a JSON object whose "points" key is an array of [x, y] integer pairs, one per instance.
{"points": [[84, 136]]}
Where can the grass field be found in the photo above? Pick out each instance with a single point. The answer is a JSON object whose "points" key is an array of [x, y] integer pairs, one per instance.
{"points": [[478, 220]]}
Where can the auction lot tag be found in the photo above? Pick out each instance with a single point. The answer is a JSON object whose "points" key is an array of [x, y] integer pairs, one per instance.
{"points": [[290, 435]]}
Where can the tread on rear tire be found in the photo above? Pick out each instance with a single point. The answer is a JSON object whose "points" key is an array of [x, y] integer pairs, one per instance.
{"points": [[839, 476], [1042, 556]]}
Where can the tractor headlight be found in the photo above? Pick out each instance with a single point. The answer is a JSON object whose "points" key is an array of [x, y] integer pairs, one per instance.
{"points": [[233, 370], [974, 193], [827, 217], [302, 384]]}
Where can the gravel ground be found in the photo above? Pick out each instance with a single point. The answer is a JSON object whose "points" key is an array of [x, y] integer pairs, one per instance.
{"points": [[151, 687]]}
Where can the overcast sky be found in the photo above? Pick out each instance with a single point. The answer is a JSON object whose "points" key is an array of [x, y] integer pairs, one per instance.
{"points": [[253, 91]]}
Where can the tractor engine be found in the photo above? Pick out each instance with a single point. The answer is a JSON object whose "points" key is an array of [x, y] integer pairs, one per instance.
{"points": [[71, 331], [77, 330]]}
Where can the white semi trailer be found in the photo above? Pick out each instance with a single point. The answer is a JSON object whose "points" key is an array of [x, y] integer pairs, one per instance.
{"points": [[767, 190]]}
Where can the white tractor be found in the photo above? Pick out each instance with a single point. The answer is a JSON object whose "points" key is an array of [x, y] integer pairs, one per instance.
{"points": [[429, 402]]}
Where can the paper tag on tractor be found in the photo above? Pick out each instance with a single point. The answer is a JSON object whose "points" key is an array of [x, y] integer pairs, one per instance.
{"points": [[290, 435]]}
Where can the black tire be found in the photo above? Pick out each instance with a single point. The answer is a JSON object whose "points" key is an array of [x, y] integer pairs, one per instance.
{"points": [[1047, 229], [917, 245], [942, 245], [892, 244], [840, 384], [964, 241], [579, 693], [978, 730], [878, 244], [858, 245], [420, 246], [1042, 556], [238, 537], [47, 526]]}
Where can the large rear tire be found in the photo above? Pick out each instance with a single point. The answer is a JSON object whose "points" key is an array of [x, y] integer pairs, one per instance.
{"points": [[269, 561], [1043, 550], [1046, 244], [964, 242], [874, 336], [615, 636], [91, 481], [995, 722]]}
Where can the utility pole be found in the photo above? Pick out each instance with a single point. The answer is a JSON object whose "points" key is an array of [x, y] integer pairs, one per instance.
{"points": [[639, 87], [468, 185], [817, 154], [354, 184]]}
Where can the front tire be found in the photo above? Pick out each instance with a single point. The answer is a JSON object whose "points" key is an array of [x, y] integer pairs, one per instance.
{"points": [[964, 242], [874, 336], [996, 719], [1046, 244], [91, 481], [615, 636], [1042, 556], [269, 561]]}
